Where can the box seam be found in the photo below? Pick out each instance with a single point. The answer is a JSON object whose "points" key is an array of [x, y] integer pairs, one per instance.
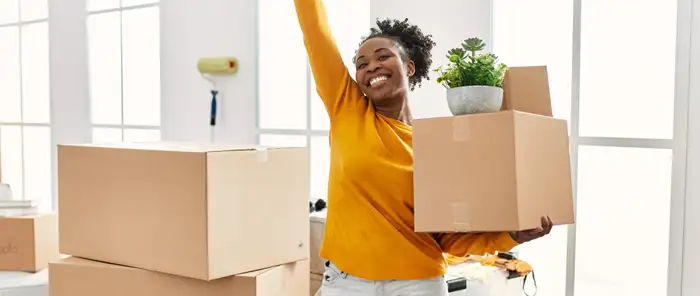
{"points": [[515, 167], [35, 238]]}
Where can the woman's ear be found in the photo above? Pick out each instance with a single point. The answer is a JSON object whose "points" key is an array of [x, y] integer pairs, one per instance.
{"points": [[410, 68]]}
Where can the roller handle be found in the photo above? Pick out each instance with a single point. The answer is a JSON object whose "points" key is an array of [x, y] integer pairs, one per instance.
{"points": [[212, 119]]}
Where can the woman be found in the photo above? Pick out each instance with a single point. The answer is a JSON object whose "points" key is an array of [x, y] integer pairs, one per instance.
{"points": [[369, 238]]}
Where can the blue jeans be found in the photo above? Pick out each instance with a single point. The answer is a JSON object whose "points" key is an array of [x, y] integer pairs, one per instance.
{"points": [[339, 283]]}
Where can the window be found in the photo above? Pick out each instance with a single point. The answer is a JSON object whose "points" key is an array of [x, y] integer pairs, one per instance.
{"points": [[624, 191], [124, 65], [25, 137], [620, 108], [289, 110], [528, 33]]}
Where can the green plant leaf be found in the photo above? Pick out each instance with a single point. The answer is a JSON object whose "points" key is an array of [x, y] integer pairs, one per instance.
{"points": [[473, 45], [471, 69]]}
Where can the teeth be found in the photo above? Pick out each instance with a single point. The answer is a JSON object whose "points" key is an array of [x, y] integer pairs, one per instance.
{"points": [[377, 79]]}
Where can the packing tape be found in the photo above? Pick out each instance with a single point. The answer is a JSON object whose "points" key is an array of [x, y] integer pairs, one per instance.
{"points": [[461, 216], [461, 132], [261, 154]]}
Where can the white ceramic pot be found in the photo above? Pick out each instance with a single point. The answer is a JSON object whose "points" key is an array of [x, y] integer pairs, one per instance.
{"points": [[474, 99]]}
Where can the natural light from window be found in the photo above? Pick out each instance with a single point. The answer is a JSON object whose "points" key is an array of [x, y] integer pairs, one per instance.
{"points": [[290, 113], [124, 63], [25, 131]]}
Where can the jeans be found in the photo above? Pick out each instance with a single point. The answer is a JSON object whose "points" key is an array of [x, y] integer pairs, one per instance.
{"points": [[339, 283]]}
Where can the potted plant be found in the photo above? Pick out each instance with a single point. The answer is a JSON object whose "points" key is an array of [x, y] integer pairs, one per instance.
{"points": [[474, 81]]}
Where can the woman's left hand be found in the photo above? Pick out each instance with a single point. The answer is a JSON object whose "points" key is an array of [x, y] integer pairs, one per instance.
{"points": [[531, 234]]}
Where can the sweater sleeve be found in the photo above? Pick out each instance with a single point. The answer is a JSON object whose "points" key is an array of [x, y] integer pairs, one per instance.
{"points": [[462, 244], [329, 71]]}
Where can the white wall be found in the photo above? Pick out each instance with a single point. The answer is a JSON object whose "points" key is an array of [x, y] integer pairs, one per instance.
{"points": [[450, 22], [194, 29]]}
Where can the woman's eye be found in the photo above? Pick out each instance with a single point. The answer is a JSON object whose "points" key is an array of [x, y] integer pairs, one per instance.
{"points": [[360, 66], [384, 57]]}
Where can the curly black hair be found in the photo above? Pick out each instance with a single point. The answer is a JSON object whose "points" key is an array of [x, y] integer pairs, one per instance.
{"points": [[415, 45]]}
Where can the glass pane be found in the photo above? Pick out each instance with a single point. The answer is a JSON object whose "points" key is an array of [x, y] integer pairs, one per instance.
{"points": [[549, 23], [282, 140], [33, 9], [11, 158], [9, 12], [35, 73], [141, 135], [93, 5], [141, 46], [11, 110], [623, 196], [627, 90], [319, 115], [127, 3], [320, 166], [281, 77], [104, 50], [37, 166], [103, 135]]}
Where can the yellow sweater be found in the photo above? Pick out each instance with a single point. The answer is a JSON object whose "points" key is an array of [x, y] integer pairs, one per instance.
{"points": [[369, 228]]}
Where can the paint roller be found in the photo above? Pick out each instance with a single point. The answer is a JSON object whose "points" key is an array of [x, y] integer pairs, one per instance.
{"points": [[211, 69]]}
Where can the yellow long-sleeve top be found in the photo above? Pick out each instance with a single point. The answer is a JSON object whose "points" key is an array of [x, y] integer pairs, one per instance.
{"points": [[369, 227]]}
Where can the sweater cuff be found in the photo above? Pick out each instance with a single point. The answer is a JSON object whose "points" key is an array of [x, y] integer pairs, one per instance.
{"points": [[506, 242]]}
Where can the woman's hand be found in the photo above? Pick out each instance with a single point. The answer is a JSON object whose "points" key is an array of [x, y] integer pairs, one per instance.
{"points": [[528, 235]]}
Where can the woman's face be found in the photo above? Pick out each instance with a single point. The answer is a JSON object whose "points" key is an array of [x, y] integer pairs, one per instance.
{"points": [[380, 71]]}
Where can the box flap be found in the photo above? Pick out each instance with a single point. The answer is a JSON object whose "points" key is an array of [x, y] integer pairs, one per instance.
{"points": [[195, 147], [527, 89]]}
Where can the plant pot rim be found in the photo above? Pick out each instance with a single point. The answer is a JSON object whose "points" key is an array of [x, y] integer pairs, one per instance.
{"points": [[476, 86]]}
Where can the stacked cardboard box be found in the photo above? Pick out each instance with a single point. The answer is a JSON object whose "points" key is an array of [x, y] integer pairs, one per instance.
{"points": [[498, 171], [318, 228], [182, 219], [28, 240], [28, 243]]}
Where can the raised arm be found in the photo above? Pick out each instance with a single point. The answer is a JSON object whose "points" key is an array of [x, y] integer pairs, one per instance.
{"points": [[462, 244], [327, 65]]}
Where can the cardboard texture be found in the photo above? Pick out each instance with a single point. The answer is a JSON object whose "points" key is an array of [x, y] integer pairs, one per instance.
{"points": [[497, 171], [526, 89], [317, 229], [316, 283], [194, 210], [28, 243], [80, 277]]}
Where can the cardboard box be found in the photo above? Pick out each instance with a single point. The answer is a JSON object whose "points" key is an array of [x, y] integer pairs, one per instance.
{"points": [[80, 277], [497, 171], [317, 231], [28, 243], [526, 89], [315, 285], [196, 210]]}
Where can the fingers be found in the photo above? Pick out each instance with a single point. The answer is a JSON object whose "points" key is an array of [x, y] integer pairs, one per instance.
{"points": [[546, 225]]}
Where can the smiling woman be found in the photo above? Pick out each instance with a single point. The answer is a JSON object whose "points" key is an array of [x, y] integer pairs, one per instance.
{"points": [[374, 180]]}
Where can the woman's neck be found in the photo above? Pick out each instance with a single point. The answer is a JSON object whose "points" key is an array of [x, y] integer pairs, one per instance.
{"points": [[400, 112]]}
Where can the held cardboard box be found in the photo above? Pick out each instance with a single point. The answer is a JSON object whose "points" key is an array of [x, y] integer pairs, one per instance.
{"points": [[28, 243], [79, 277], [194, 210], [497, 171], [526, 89]]}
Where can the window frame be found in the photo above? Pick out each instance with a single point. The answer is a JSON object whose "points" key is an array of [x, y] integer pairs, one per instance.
{"points": [[20, 25], [308, 132], [678, 145], [121, 9]]}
